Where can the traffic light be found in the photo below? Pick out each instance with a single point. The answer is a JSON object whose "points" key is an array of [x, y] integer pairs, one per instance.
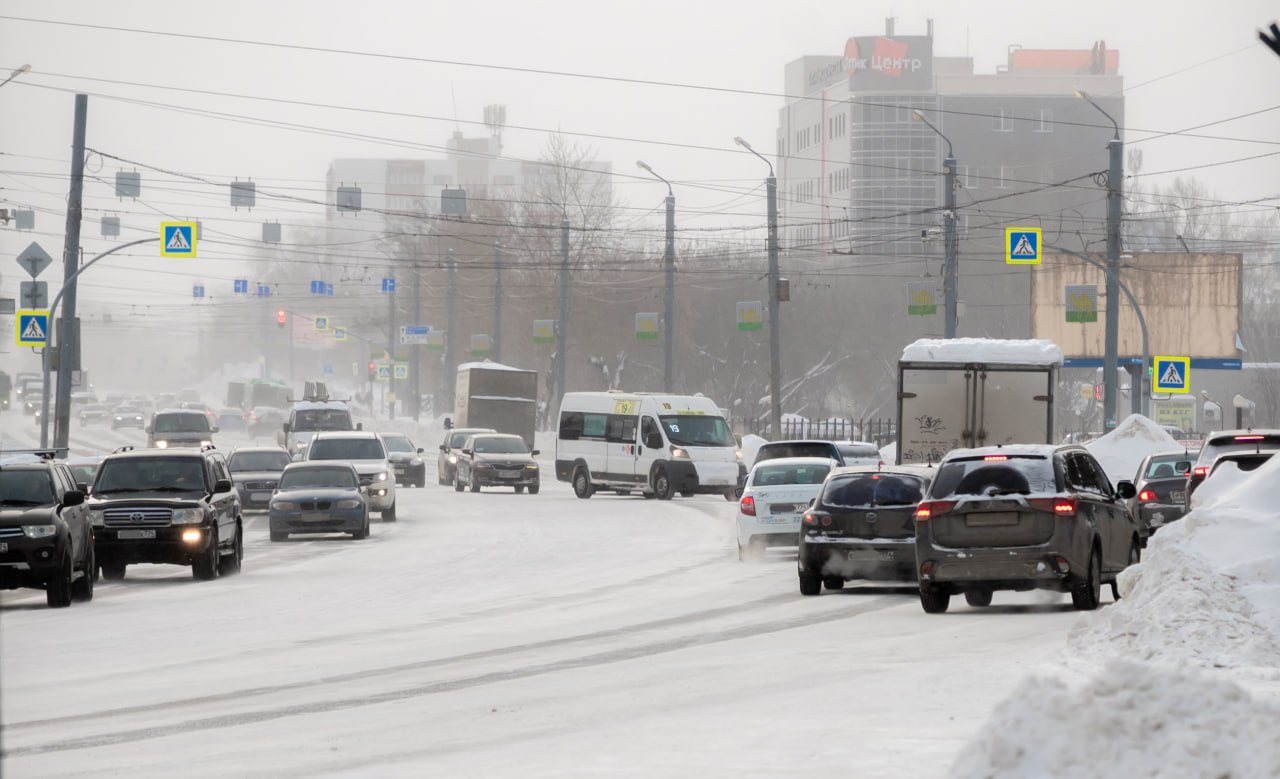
{"points": [[373, 371], [281, 317]]}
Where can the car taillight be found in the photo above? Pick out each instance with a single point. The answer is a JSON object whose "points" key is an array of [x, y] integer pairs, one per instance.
{"points": [[747, 506], [1249, 437], [1200, 472], [1060, 506], [932, 508], [995, 458], [810, 519], [1146, 496]]}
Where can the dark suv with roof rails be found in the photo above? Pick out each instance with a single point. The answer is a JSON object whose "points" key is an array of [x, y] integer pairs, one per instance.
{"points": [[175, 506], [46, 540]]}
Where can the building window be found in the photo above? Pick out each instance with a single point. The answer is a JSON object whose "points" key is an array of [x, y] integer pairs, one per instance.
{"points": [[1045, 125], [1006, 173], [970, 176], [1001, 122]]}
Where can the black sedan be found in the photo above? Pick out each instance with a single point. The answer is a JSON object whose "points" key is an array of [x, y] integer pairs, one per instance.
{"points": [[406, 459], [496, 460], [256, 472], [94, 413], [1161, 482]]}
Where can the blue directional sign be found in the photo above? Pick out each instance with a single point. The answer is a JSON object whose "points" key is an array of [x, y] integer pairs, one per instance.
{"points": [[197, 290], [264, 290], [328, 289], [31, 328], [317, 287], [1172, 374], [242, 286], [388, 285], [1022, 245]]}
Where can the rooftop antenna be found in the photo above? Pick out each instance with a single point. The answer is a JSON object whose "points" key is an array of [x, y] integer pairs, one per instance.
{"points": [[454, 97], [495, 118]]}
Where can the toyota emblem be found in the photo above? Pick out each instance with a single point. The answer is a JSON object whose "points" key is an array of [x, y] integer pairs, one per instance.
{"points": [[136, 516], [871, 516]]}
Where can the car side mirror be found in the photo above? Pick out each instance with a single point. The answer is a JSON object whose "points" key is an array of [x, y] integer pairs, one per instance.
{"points": [[1182, 467], [420, 450], [444, 448], [535, 452], [737, 493], [359, 426], [222, 485], [147, 429], [448, 423], [213, 429], [1126, 490], [72, 498], [285, 427], [467, 452]]}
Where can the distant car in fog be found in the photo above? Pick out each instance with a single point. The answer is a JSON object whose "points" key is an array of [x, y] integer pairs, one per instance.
{"points": [[84, 468], [128, 416], [95, 413], [179, 427], [264, 420], [231, 420], [406, 459], [256, 473]]}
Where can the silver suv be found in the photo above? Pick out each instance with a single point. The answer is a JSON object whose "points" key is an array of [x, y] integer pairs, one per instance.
{"points": [[366, 452]]}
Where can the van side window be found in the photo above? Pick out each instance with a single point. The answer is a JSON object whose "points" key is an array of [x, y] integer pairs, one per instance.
{"points": [[650, 434], [622, 429], [594, 425], [570, 425]]}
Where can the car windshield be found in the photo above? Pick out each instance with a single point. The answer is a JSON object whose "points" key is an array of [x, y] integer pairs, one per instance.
{"points": [[127, 410], [852, 452], [150, 474], [500, 446], [26, 488], [458, 438], [317, 419], [399, 443], [697, 430], [795, 449], [346, 449], [181, 423], [873, 489], [1018, 474], [788, 473], [318, 478], [83, 474], [1165, 466], [246, 462], [1245, 463]]}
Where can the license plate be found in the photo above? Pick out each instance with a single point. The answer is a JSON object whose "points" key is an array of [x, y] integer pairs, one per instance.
{"points": [[399, 469], [509, 474], [1177, 497], [868, 555], [4, 547], [781, 508], [260, 496], [135, 534], [776, 520], [315, 516], [992, 519]]}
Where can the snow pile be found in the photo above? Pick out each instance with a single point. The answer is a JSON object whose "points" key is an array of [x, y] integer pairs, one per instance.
{"points": [[985, 350], [889, 452], [1121, 451], [488, 365], [751, 444], [1130, 720]]}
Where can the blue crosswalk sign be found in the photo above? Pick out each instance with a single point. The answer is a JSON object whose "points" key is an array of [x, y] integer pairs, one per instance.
{"points": [[178, 239], [1022, 245], [31, 328], [1172, 374]]}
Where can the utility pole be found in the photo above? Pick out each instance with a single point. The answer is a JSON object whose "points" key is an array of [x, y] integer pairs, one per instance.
{"points": [[391, 347], [450, 361], [562, 329], [497, 301], [669, 292], [67, 345], [415, 364], [951, 244], [775, 355]]}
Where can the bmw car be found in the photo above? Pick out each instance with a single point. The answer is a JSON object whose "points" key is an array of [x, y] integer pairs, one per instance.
{"points": [[319, 497]]}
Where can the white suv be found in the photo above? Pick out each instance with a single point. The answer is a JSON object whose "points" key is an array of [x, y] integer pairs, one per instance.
{"points": [[366, 452]]}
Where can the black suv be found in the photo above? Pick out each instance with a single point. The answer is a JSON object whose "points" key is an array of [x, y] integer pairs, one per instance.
{"points": [[175, 506], [179, 427], [46, 540]]}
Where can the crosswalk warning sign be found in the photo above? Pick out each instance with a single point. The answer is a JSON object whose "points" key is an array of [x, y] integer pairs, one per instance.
{"points": [[1022, 245], [31, 328], [1172, 374], [178, 239]]}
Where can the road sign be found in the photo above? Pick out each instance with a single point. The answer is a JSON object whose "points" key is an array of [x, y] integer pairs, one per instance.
{"points": [[321, 323], [339, 333], [242, 286], [388, 285], [1172, 374], [750, 315], [922, 298], [544, 331], [34, 260], [328, 369], [177, 239], [415, 334], [264, 290], [328, 289], [1022, 245], [647, 327], [34, 294], [384, 372], [31, 328], [197, 290], [1082, 302], [401, 370]]}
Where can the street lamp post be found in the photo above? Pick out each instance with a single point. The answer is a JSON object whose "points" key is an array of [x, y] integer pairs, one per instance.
{"points": [[1114, 191], [669, 274], [950, 267], [775, 367]]}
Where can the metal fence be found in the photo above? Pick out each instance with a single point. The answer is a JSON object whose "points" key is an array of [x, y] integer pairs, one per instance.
{"points": [[880, 431]]}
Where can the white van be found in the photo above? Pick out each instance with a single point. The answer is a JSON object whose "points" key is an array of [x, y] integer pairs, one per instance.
{"points": [[658, 444]]}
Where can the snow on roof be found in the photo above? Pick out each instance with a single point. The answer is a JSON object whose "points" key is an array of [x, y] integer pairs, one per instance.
{"points": [[320, 405], [493, 366], [1121, 451], [984, 350]]}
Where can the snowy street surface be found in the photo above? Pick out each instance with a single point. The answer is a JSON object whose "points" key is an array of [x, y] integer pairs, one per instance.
{"points": [[503, 635]]}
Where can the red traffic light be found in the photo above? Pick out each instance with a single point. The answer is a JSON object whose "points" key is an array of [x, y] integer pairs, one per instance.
{"points": [[281, 317]]}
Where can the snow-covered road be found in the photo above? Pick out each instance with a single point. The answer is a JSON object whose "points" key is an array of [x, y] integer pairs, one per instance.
{"points": [[504, 635]]}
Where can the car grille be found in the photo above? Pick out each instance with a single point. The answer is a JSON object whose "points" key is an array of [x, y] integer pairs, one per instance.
{"points": [[366, 479], [10, 532], [315, 505], [137, 517]]}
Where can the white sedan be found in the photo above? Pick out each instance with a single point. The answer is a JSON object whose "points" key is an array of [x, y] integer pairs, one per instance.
{"points": [[774, 500]]}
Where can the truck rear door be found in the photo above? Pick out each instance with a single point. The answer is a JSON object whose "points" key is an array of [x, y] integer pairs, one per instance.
{"points": [[1013, 407]]}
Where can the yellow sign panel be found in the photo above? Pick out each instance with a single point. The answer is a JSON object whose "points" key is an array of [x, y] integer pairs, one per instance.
{"points": [[178, 239], [624, 407]]}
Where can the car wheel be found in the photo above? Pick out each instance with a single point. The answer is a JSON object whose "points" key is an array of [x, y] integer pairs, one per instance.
{"points": [[519, 488], [205, 567], [978, 598], [1135, 557], [731, 495], [457, 483], [57, 590], [388, 514], [833, 582], [82, 588], [934, 600], [1087, 593], [229, 565], [810, 584], [662, 485], [277, 536], [533, 488], [363, 532], [582, 483], [474, 483], [113, 571]]}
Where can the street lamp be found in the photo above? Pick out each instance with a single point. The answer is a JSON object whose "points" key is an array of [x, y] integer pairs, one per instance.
{"points": [[669, 273], [17, 72], [775, 368], [1114, 184], [950, 268]]}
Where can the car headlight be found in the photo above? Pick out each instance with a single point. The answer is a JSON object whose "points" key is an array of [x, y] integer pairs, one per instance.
{"points": [[206, 443], [738, 454], [40, 531], [347, 504], [119, 419], [188, 516], [481, 466], [283, 505], [162, 444], [382, 476], [679, 454], [95, 517], [531, 467], [415, 462]]}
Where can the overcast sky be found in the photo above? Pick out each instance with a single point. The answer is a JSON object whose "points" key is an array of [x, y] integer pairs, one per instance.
{"points": [[739, 45]]}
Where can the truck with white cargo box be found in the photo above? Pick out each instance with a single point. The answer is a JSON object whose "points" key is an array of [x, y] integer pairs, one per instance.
{"points": [[970, 392], [658, 445], [492, 395]]}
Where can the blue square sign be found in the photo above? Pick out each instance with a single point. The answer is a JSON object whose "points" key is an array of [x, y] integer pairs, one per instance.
{"points": [[389, 285], [178, 239], [1171, 374], [1022, 245]]}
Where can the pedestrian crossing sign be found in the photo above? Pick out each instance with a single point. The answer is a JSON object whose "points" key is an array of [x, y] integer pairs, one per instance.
{"points": [[1172, 374], [177, 239], [1022, 245], [31, 328], [321, 324]]}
